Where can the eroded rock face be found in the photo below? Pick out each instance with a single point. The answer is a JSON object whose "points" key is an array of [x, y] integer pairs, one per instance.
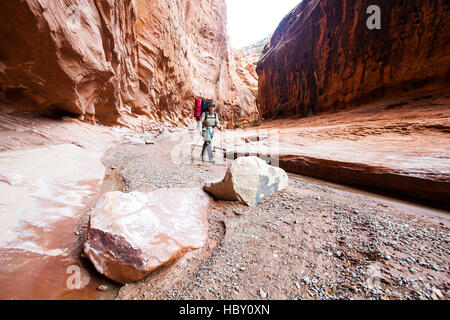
{"points": [[78, 57], [323, 57], [184, 53], [132, 234], [254, 51], [129, 62], [249, 180]]}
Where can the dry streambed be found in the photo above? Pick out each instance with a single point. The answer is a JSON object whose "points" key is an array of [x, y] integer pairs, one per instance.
{"points": [[399, 147], [308, 242]]}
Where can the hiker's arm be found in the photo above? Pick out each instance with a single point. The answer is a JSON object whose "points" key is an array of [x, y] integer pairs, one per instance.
{"points": [[218, 123], [200, 122]]}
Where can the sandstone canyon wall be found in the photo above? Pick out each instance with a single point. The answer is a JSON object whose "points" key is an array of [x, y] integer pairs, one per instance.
{"points": [[184, 53], [254, 51], [322, 57], [77, 57], [125, 62]]}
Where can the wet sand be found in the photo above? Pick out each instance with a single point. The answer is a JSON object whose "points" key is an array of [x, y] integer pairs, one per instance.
{"points": [[46, 188]]}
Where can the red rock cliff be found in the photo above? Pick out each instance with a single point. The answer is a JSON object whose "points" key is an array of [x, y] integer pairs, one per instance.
{"points": [[323, 57], [118, 62], [78, 58], [184, 53]]}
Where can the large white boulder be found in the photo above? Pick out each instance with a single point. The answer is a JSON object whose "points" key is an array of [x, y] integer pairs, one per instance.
{"points": [[133, 234], [248, 180]]}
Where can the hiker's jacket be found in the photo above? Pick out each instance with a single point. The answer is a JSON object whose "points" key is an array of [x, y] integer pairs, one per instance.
{"points": [[210, 120]]}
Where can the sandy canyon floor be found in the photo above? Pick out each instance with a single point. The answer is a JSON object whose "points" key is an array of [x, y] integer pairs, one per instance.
{"points": [[311, 241], [314, 240], [400, 146]]}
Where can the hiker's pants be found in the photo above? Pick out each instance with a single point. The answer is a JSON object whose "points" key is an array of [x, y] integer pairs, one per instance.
{"points": [[208, 134]]}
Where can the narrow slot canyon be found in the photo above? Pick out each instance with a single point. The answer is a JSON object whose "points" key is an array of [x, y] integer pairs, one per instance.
{"points": [[331, 146]]}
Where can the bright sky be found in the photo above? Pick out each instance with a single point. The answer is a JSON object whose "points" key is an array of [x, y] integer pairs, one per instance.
{"points": [[251, 20]]}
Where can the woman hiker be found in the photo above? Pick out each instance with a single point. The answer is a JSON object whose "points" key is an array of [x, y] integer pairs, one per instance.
{"points": [[209, 121]]}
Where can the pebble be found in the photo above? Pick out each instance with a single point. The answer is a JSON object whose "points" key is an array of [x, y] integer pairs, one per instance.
{"points": [[102, 287], [437, 293], [262, 293]]}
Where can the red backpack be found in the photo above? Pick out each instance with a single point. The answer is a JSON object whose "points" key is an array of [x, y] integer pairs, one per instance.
{"points": [[198, 109], [201, 106]]}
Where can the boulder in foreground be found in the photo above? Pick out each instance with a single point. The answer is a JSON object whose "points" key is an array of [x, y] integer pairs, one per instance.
{"points": [[249, 180], [132, 234]]}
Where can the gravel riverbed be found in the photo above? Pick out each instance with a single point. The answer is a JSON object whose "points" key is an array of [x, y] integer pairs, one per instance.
{"points": [[310, 241]]}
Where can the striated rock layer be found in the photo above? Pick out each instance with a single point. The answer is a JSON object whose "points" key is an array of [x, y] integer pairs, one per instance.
{"points": [[399, 146], [75, 57], [254, 51], [133, 234], [119, 62], [184, 53], [322, 57]]}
